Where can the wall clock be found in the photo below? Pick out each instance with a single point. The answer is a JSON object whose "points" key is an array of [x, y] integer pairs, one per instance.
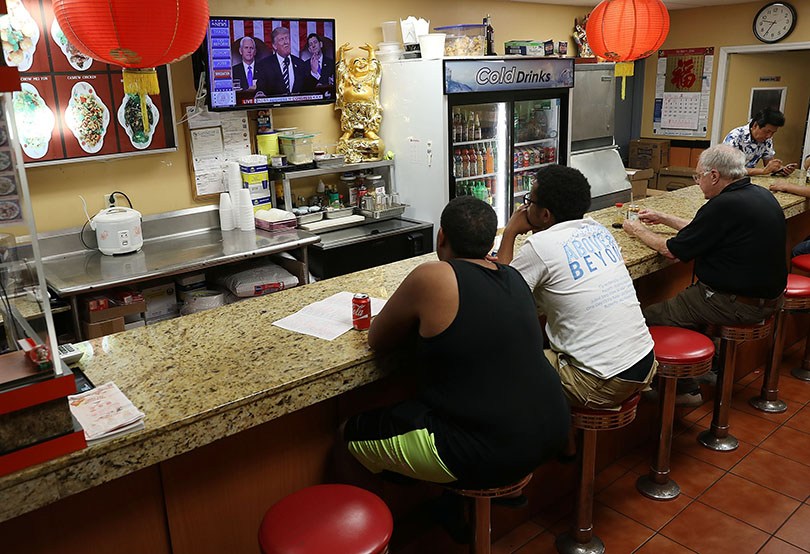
{"points": [[774, 22]]}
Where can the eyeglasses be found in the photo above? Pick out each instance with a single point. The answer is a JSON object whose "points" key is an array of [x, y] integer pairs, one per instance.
{"points": [[527, 199], [698, 176]]}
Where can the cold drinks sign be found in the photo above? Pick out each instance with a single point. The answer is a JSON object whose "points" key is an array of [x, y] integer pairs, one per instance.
{"points": [[489, 75]]}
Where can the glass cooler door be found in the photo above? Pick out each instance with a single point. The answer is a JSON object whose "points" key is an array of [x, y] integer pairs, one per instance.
{"points": [[478, 151], [536, 131]]}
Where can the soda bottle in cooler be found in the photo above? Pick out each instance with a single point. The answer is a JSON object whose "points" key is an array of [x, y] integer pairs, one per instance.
{"points": [[488, 185], [457, 165], [480, 161], [473, 162], [465, 163], [470, 126], [489, 160], [477, 128]]}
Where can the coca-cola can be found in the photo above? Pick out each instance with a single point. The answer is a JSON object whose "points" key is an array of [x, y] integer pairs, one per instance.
{"points": [[361, 312]]}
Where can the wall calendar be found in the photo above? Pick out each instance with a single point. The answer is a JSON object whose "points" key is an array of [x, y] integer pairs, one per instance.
{"points": [[682, 92]]}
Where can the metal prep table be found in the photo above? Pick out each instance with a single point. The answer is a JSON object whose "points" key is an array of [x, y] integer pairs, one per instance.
{"points": [[174, 243], [369, 245]]}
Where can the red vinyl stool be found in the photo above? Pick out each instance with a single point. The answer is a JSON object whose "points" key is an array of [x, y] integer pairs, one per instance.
{"points": [[803, 263], [797, 299], [339, 519], [680, 353], [582, 540], [718, 437], [482, 529]]}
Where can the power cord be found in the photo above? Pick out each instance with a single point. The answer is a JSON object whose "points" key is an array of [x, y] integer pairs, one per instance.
{"points": [[199, 102], [111, 199]]}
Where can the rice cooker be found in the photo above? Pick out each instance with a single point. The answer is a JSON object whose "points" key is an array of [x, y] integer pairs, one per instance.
{"points": [[118, 230]]}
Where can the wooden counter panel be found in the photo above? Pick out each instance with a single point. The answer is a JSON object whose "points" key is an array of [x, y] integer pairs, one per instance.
{"points": [[123, 516], [217, 495]]}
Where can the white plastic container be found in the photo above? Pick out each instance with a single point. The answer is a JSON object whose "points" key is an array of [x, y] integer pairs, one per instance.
{"points": [[390, 31], [431, 46]]}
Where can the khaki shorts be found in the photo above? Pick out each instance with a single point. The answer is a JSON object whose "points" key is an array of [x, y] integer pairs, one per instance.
{"points": [[589, 391]]}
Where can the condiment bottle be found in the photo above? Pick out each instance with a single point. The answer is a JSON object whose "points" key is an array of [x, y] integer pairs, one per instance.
{"points": [[618, 216], [632, 212]]}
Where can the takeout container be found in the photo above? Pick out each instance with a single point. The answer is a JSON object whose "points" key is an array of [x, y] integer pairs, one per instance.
{"points": [[390, 31], [389, 47], [297, 146], [431, 45], [464, 40], [389, 56]]}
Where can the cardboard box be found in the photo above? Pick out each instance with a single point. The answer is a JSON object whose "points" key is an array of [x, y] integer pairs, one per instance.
{"points": [[694, 154], [679, 156], [102, 328], [161, 301], [640, 181], [524, 47], [649, 153], [113, 311], [673, 178]]}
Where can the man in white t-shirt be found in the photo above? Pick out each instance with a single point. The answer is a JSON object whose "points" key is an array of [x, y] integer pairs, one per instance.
{"points": [[599, 342]]}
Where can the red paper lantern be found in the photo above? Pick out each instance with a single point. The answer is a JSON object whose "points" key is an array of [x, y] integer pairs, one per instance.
{"points": [[137, 35], [627, 30]]}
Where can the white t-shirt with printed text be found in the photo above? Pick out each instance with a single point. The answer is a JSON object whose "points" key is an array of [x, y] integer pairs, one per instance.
{"points": [[581, 284]]}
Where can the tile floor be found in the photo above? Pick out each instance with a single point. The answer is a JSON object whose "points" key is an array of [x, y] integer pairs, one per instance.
{"points": [[752, 500]]}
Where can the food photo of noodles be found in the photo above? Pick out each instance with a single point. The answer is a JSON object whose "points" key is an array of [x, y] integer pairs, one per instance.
{"points": [[35, 120], [87, 117]]}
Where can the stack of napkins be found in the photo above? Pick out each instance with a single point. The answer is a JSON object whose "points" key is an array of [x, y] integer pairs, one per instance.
{"points": [[104, 412]]}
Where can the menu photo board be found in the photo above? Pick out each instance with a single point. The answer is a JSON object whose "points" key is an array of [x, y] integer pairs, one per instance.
{"points": [[72, 107]]}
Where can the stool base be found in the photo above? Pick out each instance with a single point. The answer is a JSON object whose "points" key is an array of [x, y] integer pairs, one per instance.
{"points": [[720, 444], [801, 373], [656, 491], [768, 406], [567, 545]]}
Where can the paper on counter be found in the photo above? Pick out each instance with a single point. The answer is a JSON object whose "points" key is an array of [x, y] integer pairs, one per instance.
{"points": [[328, 318]]}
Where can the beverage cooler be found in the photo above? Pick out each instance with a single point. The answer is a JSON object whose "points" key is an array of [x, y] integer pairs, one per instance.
{"points": [[474, 126]]}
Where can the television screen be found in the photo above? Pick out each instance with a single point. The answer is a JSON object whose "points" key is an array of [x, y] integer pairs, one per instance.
{"points": [[269, 62]]}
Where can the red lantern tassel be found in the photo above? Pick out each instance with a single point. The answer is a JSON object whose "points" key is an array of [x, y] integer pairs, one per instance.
{"points": [[141, 82]]}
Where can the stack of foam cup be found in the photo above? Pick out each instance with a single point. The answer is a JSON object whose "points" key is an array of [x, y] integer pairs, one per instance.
{"points": [[246, 221], [233, 184], [226, 220]]}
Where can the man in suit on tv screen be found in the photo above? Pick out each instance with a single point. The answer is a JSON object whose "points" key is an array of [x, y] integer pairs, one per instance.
{"points": [[321, 67], [244, 74], [281, 73]]}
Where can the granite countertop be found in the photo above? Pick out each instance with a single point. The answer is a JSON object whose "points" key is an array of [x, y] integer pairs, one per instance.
{"points": [[212, 374]]}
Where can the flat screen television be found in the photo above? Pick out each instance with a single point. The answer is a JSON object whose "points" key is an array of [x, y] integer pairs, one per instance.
{"points": [[253, 63]]}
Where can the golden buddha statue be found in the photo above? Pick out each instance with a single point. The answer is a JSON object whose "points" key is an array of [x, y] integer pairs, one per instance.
{"points": [[358, 98]]}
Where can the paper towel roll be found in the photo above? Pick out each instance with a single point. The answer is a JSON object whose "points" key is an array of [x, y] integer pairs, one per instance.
{"points": [[199, 300], [226, 221]]}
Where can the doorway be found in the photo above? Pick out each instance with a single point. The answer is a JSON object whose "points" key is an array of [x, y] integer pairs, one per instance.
{"points": [[724, 62]]}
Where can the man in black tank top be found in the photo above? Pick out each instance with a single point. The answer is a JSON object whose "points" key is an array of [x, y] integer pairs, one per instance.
{"points": [[493, 409]]}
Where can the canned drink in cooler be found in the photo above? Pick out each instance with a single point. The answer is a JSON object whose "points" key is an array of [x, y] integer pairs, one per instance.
{"points": [[361, 312]]}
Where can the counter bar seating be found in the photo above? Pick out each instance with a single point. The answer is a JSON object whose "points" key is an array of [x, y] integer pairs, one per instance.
{"points": [[582, 540], [481, 528], [680, 353], [717, 436], [327, 518], [802, 263], [797, 299]]}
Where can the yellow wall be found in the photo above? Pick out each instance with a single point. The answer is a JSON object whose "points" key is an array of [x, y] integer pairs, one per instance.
{"points": [[720, 26], [744, 72], [160, 182]]}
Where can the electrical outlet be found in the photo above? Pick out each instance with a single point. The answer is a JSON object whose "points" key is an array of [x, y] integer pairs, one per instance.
{"points": [[107, 202]]}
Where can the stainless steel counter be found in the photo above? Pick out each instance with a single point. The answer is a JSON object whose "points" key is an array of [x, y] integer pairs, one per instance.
{"points": [[174, 243], [80, 272]]}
